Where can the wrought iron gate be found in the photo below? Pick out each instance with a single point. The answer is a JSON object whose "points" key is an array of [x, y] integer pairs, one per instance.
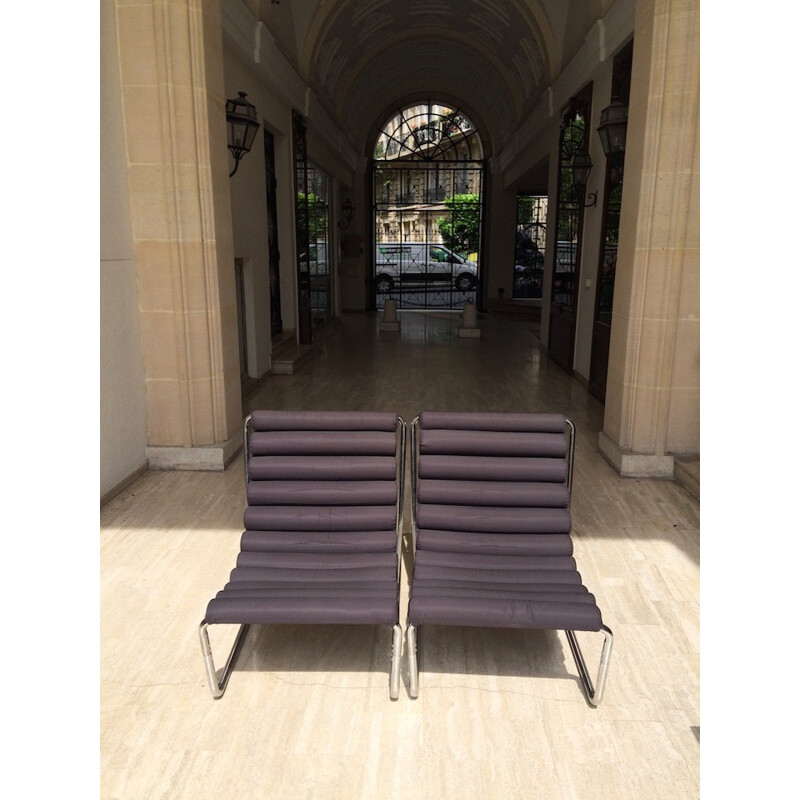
{"points": [[428, 210]]}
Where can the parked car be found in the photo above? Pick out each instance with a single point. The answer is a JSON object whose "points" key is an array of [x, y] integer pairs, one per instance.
{"points": [[421, 262]]}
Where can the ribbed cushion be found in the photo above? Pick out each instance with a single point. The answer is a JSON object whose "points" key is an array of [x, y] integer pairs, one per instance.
{"points": [[319, 518], [493, 443], [533, 544], [322, 443], [264, 420], [315, 561], [493, 545], [497, 520], [493, 493], [332, 605], [321, 538], [321, 493], [322, 468], [492, 421], [474, 609], [493, 468], [319, 541]]}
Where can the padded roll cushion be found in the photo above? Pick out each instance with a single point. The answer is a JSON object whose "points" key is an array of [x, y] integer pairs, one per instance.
{"points": [[319, 518], [488, 468], [493, 443], [316, 561], [497, 520], [493, 421], [333, 605], [265, 420], [521, 611], [321, 493], [535, 544], [493, 493], [322, 468], [343, 542], [322, 443]]}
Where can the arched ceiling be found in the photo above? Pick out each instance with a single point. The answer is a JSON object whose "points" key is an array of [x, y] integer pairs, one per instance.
{"points": [[494, 58]]}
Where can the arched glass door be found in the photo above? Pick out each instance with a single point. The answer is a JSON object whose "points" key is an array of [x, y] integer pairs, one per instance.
{"points": [[428, 209]]}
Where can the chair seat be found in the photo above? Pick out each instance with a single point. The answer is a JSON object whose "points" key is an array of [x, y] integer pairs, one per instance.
{"points": [[331, 604]]}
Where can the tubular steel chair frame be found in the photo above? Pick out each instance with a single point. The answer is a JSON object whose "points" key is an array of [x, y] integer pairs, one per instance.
{"points": [[594, 693], [218, 680]]}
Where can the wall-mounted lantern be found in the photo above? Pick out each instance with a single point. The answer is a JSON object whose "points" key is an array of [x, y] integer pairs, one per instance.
{"points": [[581, 166], [347, 214], [242, 127], [612, 132]]}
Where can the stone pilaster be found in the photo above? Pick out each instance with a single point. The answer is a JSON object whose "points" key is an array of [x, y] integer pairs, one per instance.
{"points": [[653, 399], [174, 116]]}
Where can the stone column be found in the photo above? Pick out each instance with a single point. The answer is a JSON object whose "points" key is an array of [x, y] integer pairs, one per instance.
{"points": [[174, 114], [652, 407]]}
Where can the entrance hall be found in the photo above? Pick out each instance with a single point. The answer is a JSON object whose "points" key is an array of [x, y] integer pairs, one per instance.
{"points": [[500, 713]]}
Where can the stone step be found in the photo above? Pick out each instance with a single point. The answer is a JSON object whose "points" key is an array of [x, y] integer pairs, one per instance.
{"points": [[288, 356], [687, 474]]}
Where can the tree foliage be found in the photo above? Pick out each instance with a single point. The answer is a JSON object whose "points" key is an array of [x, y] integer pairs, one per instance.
{"points": [[312, 215], [460, 230]]}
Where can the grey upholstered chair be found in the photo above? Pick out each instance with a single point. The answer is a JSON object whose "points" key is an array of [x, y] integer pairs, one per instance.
{"points": [[323, 528], [491, 531]]}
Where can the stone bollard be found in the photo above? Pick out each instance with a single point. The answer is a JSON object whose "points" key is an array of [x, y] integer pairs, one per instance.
{"points": [[390, 322], [469, 322]]}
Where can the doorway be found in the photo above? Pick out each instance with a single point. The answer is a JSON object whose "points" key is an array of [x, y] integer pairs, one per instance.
{"points": [[569, 229], [428, 216], [604, 302]]}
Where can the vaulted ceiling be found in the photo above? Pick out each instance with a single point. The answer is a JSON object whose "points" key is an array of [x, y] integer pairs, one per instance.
{"points": [[491, 58]]}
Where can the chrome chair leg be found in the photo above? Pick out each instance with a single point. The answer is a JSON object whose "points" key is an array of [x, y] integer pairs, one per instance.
{"points": [[394, 677], [217, 683], [593, 694], [413, 665]]}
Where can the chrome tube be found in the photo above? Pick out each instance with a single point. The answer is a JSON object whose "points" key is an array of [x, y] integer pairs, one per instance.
{"points": [[413, 663], [571, 459], [394, 675], [593, 695], [246, 449], [414, 481], [400, 475], [218, 683]]}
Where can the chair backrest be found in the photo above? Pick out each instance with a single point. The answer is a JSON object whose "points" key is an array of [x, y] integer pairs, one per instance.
{"points": [[334, 476], [493, 472]]}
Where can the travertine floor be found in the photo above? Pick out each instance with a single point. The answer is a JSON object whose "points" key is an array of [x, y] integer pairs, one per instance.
{"points": [[307, 711]]}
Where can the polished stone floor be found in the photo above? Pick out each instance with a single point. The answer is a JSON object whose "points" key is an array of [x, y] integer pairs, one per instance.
{"points": [[307, 712]]}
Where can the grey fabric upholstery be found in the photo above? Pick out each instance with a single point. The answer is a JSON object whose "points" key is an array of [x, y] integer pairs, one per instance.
{"points": [[492, 530], [322, 538]]}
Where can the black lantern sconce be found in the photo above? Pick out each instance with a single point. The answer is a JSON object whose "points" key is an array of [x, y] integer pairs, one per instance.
{"points": [[347, 214], [581, 166], [612, 131], [242, 127]]}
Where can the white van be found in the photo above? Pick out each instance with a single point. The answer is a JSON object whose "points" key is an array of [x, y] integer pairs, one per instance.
{"points": [[421, 262]]}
